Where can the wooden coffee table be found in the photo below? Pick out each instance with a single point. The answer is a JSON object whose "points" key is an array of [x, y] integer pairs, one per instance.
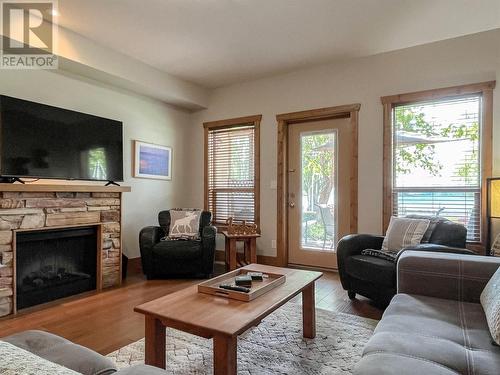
{"points": [[224, 319]]}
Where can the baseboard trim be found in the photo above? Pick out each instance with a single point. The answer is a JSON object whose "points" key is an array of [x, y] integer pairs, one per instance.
{"points": [[311, 268], [220, 256], [134, 266]]}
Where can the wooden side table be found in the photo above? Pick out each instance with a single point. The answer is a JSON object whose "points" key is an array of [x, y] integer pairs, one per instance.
{"points": [[250, 253]]}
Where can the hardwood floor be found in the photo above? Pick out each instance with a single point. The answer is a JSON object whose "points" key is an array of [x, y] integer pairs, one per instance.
{"points": [[105, 321]]}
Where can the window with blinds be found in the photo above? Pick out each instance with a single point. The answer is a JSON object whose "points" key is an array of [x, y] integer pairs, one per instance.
{"points": [[436, 160], [231, 172]]}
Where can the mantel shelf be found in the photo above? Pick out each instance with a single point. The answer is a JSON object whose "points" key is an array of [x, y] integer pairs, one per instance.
{"points": [[63, 188]]}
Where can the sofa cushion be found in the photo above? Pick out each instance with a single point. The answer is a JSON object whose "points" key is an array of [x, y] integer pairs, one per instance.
{"points": [[369, 268], [141, 370], [178, 249], [63, 352], [420, 335], [449, 233], [14, 360], [490, 300], [396, 364]]}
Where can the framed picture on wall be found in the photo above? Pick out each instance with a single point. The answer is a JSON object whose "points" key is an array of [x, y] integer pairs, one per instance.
{"points": [[495, 248], [152, 161]]}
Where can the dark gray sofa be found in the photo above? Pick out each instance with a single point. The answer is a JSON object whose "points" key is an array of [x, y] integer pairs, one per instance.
{"points": [[75, 357], [435, 324]]}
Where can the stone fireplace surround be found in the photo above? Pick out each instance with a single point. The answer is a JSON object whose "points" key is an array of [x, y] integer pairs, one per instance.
{"points": [[39, 207]]}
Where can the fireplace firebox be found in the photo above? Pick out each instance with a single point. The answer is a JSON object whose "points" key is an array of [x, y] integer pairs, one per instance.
{"points": [[53, 264]]}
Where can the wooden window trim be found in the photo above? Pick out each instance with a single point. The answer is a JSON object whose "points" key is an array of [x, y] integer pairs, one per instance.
{"points": [[485, 89], [229, 123]]}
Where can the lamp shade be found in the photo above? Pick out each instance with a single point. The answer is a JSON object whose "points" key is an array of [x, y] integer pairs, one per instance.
{"points": [[494, 197]]}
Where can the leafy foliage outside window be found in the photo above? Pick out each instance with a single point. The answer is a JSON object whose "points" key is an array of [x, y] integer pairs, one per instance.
{"points": [[318, 182], [241, 168], [411, 120], [419, 155], [318, 176], [436, 160]]}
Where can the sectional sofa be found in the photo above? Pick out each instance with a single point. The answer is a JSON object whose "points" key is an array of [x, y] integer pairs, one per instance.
{"points": [[435, 324]]}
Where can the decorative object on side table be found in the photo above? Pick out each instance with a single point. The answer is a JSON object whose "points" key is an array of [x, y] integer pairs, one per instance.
{"points": [[242, 228], [492, 212], [152, 161]]}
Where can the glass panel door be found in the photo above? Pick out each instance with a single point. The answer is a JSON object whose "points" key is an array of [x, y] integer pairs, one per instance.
{"points": [[318, 190]]}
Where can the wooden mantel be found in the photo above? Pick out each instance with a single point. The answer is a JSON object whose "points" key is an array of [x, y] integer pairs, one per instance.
{"points": [[30, 187]]}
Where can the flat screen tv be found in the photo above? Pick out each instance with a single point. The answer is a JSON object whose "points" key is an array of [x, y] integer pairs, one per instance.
{"points": [[41, 141]]}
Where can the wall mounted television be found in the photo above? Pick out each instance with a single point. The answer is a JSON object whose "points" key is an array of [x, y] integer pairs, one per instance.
{"points": [[41, 141]]}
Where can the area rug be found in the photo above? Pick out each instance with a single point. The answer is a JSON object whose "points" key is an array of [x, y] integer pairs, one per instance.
{"points": [[276, 346]]}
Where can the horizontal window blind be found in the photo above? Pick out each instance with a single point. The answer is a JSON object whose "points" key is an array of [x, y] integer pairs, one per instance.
{"points": [[231, 173], [436, 161]]}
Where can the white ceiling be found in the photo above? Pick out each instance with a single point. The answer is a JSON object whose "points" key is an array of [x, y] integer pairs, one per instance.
{"points": [[219, 42]]}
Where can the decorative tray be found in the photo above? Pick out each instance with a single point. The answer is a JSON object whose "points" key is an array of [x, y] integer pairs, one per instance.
{"points": [[257, 289]]}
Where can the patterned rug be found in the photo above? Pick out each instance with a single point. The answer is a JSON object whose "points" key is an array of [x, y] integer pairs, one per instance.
{"points": [[276, 346]]}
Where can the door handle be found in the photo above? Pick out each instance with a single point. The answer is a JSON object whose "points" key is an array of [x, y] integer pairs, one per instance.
{"points": [[292, 204]]}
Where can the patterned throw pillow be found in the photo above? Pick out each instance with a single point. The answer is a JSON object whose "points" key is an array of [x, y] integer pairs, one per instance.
{"points": [[433, 222], [184, 224], [387, 255], [490, 300], [404, 232]]}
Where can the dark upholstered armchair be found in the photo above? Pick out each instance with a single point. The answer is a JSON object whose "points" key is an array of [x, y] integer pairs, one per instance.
{"points": [[181, 258], [375, 277]]}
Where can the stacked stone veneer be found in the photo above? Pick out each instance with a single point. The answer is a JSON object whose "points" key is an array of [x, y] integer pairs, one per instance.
{"points": [[33, 210]]}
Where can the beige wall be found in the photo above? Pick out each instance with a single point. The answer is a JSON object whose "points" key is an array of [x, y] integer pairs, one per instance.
{"points": [[463, 60], [453, 62], [143, 119]]}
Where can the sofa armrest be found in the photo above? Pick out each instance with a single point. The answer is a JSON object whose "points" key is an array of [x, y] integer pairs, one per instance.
{"points": [[65, 353], [354, 244], [440, 248], [458, 277], [209, 231], [435, 248], [208, 243], [148, 237]]}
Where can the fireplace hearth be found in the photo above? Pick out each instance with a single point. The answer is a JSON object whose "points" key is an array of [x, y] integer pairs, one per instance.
{"points": [[53, 264]]}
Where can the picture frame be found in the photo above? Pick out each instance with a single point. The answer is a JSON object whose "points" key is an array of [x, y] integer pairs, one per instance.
{"points": [[152, 161], [495, 248]]}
